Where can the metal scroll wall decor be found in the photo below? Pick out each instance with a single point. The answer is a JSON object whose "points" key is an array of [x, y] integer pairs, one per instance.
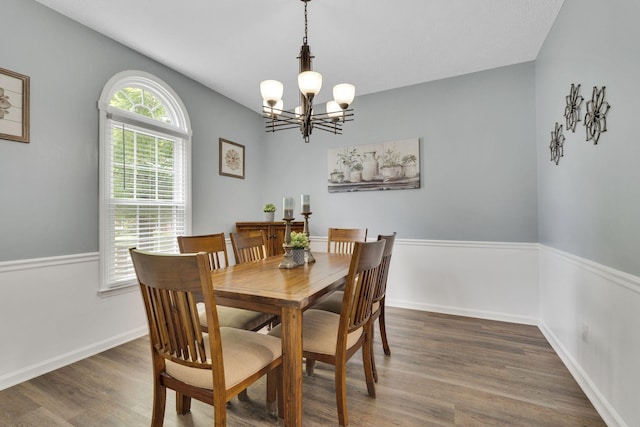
{"points": [[572, 110], [557, 144], [595, 121]]}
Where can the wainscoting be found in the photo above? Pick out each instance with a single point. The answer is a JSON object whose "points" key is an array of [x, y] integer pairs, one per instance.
{"points": [[590, 314], [52, 314]]}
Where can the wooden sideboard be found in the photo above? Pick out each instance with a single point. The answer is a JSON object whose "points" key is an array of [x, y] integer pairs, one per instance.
{"points": [[273, 230]]}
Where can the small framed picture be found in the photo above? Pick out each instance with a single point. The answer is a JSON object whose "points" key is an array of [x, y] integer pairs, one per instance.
{"points": [[14, 106], [231, 159]]}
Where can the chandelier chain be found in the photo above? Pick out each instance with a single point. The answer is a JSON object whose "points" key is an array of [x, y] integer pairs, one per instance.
{"points": [[305, 22]]}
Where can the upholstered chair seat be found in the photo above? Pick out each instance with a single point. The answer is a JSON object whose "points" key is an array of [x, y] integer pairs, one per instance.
{"points": [[239, 318], [244, 352], [320, 332]]}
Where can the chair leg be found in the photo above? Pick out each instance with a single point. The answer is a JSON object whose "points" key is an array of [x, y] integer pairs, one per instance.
{"points": [[272, 384], [383, 330], [341, 393], [310, 364], [159, 402], [374, 370], [219, 411], [183, 403], [243, 396], [275, 392], [367, 359]]}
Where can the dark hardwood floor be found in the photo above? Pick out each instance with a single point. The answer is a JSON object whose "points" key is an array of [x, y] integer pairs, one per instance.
{"points": [[443, 371]]}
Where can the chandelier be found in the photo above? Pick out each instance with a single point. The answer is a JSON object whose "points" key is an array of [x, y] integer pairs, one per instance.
{"points": [[309, 82]]}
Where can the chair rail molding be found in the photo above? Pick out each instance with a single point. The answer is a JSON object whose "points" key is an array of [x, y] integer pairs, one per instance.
{"points": [[27, 264]]}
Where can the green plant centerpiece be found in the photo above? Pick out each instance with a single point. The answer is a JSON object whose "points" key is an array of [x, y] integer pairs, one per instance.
{"points": [[299, 243], [269, 210]]}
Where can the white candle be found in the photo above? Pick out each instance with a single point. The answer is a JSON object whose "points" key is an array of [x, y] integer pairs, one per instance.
{"points": [[287, 206], [305, 202]]}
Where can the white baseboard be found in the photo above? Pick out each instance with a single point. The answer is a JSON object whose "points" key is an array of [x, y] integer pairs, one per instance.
{"points": [[62, 360], [489, 315]]}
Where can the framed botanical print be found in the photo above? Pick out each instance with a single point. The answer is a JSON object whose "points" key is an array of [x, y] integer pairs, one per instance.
{"points": [[14, 106], [231, 159]]}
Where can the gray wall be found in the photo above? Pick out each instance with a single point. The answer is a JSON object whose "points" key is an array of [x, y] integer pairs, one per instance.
{"points": [[49, 187], [589, 204], [476, 133], [478, 157]]}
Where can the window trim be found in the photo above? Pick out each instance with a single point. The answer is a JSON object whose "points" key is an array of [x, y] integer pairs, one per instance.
{"points": [[181, 129]]}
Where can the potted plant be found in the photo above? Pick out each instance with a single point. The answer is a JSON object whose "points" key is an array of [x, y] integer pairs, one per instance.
{"points": [[391, 167], [299, 242], [356, 172], [409, 162], [337, 176], [269, 210], [346, 160]]}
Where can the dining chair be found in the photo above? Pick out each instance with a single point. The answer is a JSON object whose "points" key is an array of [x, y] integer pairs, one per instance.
{"points": [[333, 338], [333, 302], [216, 248], [211, 367], [249, 246], [342, 240]]}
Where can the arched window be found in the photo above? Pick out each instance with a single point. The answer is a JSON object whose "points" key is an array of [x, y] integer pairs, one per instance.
{"points": [[145, 170]]}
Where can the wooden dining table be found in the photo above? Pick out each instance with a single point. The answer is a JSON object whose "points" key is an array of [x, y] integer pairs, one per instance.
{"points": [[263, 286]]}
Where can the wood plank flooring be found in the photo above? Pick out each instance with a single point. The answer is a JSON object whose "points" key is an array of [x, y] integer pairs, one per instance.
{"points": [[443, 371]]}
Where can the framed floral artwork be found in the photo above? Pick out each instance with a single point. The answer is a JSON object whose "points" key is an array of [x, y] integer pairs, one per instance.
{"points": [[231, 159], [14, 106]]}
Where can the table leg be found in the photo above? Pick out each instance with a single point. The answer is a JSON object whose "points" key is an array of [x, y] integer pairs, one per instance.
{"points": [[292, 372]]}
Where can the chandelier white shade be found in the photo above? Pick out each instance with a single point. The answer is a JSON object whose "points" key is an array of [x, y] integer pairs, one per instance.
{"points": [[309, 84], [344, 94], [271, 91]]}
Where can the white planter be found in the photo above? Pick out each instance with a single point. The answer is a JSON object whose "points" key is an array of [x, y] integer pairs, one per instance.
{"points": [[298, 256]]}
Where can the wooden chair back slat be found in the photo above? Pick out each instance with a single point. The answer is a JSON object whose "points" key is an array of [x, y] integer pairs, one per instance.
{"points": [[360, 285], [342, 240], [249, 246], [383, 273]]}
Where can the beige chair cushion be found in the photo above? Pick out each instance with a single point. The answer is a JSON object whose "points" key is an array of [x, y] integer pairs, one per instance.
{"points": [[320, 332], [232, 317], [375, 306], [332, 303], [244, 353]]}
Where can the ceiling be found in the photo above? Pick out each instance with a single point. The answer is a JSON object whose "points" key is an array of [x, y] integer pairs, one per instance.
{"points": [[231, 45]]}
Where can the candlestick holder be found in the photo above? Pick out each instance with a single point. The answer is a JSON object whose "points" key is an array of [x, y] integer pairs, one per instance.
{"points": [[288, 261], [308, 255]]}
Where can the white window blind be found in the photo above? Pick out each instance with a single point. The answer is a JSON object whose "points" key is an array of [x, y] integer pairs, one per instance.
{"points": [[145, 174], [147, 198]]}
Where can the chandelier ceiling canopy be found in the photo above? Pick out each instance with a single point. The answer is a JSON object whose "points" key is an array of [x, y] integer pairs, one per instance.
{"points": [[303, 116]]}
